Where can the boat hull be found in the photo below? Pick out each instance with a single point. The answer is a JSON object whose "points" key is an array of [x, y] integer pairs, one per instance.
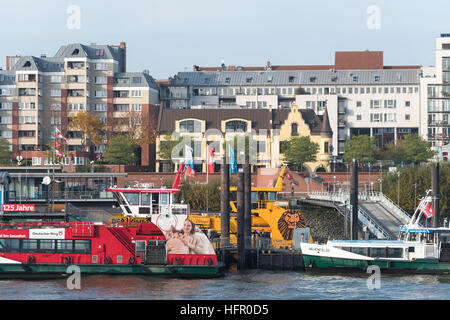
{"points": [[14, 270], [419, 266]]}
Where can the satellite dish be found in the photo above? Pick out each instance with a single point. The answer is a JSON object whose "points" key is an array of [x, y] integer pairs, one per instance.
{"points": [[46, 180]]}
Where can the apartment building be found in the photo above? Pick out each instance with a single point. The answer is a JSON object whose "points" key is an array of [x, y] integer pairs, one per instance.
{"points": [[40, 94], [435, 96], [360, 93]]}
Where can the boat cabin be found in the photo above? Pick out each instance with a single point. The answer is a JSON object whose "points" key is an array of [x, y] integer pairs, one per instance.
{"points": [[156, 204]]}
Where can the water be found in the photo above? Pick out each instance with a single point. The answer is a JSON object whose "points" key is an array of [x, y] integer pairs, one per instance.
{"points": [[251, 285]]}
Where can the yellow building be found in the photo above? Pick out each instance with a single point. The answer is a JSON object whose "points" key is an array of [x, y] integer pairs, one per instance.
{"points": [[268, 129]]}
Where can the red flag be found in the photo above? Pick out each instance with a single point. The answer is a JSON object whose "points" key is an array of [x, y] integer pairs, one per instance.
{"points": [[176, 182], [57, 145], [189, 171], [210, 159], [428, 211], [59, 153]]}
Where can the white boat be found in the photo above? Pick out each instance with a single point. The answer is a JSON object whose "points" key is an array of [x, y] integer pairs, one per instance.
{"points": [[418, 250]]}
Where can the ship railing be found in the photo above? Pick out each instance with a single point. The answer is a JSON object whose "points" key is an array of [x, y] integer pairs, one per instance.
{"points": [[33, 225], [180, 209], [394, 209]]}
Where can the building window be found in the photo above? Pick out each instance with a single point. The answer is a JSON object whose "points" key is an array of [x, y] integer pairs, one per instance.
{"points": [[390, 104], [407, 117], [236, 125], [358, 103], [190, 126], [358, 117], [407, 103], [294, 129]]}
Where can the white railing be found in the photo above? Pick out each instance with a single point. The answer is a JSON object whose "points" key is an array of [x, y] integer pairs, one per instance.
{"points": [[363, 216], [399, 212]]}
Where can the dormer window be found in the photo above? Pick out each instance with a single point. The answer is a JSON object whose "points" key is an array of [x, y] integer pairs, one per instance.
{"points": [[75, 52], [236, 125], [227, 80], [270, 79], [354, 78], [291, 79], [99, 53], [377, 78], [27, 64], [249, 79], [312, 79]]}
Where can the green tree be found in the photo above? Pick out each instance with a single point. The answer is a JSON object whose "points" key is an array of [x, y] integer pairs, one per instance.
{"points": [[121, 150], [299, 150], [5, 153], [415, 149], [361, 148]]}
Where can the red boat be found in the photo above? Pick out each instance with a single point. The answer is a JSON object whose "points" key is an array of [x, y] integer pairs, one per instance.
{"points": [[41, 248]]}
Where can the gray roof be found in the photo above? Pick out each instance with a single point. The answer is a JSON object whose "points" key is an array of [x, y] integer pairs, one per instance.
{"points": [[89, 51], [298, 77], [7, 78], [145, 79]]}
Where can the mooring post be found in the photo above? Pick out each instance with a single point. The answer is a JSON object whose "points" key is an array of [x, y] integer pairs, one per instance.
{"points": [[436, 193], [247, 202], [241, 221], [225, 204], [354, 200]]}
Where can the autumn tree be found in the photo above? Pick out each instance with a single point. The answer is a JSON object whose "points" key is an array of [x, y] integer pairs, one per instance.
{"points": [[91, 127], [139, 130]]}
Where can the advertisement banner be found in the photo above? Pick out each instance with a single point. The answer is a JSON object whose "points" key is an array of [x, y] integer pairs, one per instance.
{"points": [[47, 233]]}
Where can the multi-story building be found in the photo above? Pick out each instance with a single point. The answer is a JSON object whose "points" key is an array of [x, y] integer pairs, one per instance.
{"points": [[435, 95], [268, 128], [40, 94], [360, 93]]}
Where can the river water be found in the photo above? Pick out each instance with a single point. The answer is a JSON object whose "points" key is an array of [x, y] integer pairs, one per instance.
{"points": [[249, 285]]}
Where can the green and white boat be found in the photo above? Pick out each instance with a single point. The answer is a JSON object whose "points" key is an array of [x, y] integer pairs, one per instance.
{"points": [[418, 250]]}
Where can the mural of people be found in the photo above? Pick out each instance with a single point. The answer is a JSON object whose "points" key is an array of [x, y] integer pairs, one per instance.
{"points": [[190, 240]]}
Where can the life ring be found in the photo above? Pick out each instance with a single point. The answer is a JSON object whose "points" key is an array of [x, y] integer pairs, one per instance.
{"points": [[31, 259], [132, 260], [67, 260], [107, 260], [209, 261], [178, 260]]}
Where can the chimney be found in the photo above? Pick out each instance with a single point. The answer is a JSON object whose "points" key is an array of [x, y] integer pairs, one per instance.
{"points": [[195, 67], [268, 65], [124, 56], [231, 68]]}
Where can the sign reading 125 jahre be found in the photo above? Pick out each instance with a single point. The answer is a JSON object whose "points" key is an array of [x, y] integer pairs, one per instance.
{"points": [[18, 207]]}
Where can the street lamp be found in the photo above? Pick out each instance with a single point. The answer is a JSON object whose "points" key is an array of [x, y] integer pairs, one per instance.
{"points": [[398, 188], [380, 181], [415, 194]]}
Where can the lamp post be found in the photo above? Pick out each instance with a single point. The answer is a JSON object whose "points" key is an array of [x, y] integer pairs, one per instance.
{"points": [[415, 195], [398, 188], [380, 180]]}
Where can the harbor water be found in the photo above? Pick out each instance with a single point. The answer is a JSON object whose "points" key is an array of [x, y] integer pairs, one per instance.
{"points": [[248, 285]]}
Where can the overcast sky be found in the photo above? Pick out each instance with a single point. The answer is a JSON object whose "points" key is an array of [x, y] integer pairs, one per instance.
{"points": [[169, 36]]}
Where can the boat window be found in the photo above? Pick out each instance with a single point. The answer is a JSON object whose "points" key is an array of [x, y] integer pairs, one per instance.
{"points": [[82, 246], [361, 251], [132, 198], [145, 199], [140, 246], [2, 245], [47, 245], [64, 246], [272, 196], [378, 252], [254, 196], [164, 197], [12, 245], [395, 252], [411, 249], [29, 245], [345, 248]]}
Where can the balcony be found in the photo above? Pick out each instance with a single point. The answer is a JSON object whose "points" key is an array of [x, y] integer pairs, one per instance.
{"points": [[342, 110], [342, 137], [441, 123], [75, 93], [342, 123], [74, 65], [27, 92], [121, 94]]}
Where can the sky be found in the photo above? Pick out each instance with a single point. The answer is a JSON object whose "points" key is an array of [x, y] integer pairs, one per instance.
{"points": [[166, 37]]}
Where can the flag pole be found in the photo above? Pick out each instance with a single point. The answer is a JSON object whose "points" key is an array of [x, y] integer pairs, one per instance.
{"points": [[207, 178]]}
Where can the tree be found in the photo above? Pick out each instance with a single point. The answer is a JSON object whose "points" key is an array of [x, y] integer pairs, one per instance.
{"points": [[5, 153], [415, 149], [361, 148], [166, 146], [91, 127], [299, 150], [121, 150], [139, 131]]}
